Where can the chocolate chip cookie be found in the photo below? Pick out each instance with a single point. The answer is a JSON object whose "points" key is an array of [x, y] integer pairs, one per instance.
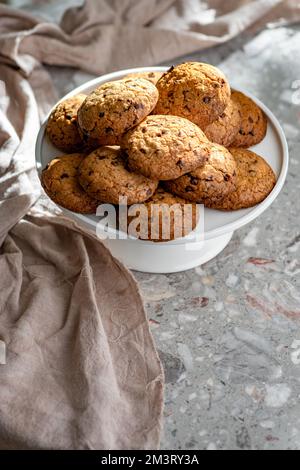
{"points": [[59, 180], [196, 91], [253, 126], [224, 130], [254, 181], [104, 175], [153, 77], [115, 107], [211, 182], [165, 147], [62, 128], [162, 218]]}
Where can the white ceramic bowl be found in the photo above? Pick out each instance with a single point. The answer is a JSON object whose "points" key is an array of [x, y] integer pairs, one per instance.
{"points": [[218, 226]]}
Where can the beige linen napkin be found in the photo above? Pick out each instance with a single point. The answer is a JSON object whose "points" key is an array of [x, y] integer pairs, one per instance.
{"points": [[81, 370]]}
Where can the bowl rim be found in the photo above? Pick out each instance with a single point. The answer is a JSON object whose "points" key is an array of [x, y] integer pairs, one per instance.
{"points": [[210, 234]]}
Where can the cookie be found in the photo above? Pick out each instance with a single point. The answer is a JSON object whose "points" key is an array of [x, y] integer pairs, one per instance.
{"points": [[104, 175], [153, 77], [59, 180], [115, 107], [211, 182], [224, 130], [165, 147], [254, 123], [254, 181], [156, 221], [196, 91], [62, 128]]}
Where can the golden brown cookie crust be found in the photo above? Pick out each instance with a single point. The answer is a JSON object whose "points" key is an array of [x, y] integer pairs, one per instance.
{"points": [[165, 147], [169, 225], [104, 176], [254, 181], [115, 107], [59, 180], [211, 182], [224, 130], [194, 90], [254, 123], [62, 128], [152, 77]]}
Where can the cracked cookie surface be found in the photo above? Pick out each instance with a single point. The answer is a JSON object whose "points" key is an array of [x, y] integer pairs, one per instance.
{"points": [[157, 222], [253, 126], [224, 130], [194, 90], [104, 175], [211, 182], [255, 179], [115, 107], [152, 77], [62, 128], [60, 182], [165, 147]]}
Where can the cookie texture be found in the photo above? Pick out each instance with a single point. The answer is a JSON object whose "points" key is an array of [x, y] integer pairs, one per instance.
{"points": [[210, 182], [115, 107], [104, 176], [254, 181], [194, 90], [162, 218], [253, 126], [152, 77], [224, 130], [165, 147], [59, 180], [62, 128]]}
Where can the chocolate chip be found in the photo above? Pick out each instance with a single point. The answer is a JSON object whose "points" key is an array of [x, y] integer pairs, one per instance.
{"points": [[251, 133], [138, 106], [188, 189], [64, 175], [143, 151], [101, 114], [101, 157], [226, 177], [242, 132], [171, 69], [194, 180], [68, 117], [250, 119], [180, 164], [91, 172], [109, 130], [206, 99]]}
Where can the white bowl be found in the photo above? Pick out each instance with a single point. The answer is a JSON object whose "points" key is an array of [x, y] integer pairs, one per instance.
{"points": [[218, 226]]}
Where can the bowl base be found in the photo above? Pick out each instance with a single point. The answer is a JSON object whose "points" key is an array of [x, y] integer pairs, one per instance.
{"points": [[164, 258]]}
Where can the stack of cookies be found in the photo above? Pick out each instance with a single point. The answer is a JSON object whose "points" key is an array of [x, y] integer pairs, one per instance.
{"points": [[159, 139]]}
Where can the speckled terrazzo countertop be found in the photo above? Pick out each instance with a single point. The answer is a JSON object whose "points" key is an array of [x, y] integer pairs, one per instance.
{"points": [[229, 331]]}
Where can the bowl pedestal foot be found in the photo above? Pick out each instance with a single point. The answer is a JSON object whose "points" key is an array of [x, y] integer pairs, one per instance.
{"points": [[164, 258]]}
